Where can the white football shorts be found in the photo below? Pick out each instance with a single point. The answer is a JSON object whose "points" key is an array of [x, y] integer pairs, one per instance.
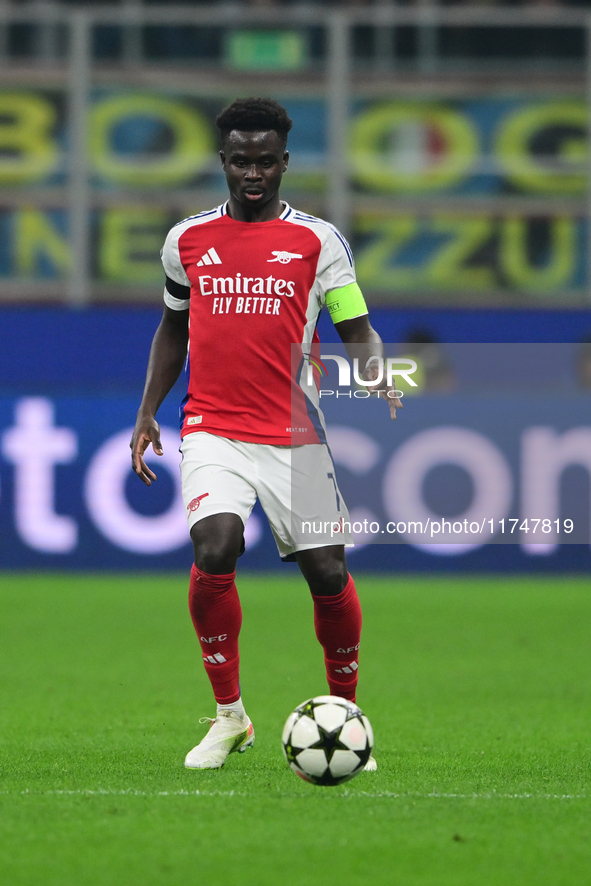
{"points": [[296, 486]]}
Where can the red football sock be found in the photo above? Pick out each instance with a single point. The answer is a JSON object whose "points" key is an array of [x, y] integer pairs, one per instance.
{"points": [[217, 616], [337, 620]]}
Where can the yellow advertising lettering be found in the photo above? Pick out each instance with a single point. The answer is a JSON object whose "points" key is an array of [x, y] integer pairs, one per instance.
{"points": [[35, 236], [130, 243], [447, 268], [514, 260], [557, 166], [191, 150], [412, 147], [28, 151], [444, 268], [374, 261]]}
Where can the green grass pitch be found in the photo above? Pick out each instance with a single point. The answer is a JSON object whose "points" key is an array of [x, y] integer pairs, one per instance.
{"points": [[478, 690]]}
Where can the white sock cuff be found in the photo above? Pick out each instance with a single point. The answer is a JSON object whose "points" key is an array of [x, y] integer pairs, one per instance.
{"points": [[236, 707]]}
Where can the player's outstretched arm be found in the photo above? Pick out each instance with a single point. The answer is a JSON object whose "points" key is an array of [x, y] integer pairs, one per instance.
{"points": [[367, 344], [167, 356]]}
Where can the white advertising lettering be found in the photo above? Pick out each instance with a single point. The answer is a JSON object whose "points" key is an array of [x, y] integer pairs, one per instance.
{"points": [[46, 515], [34, 445], [239, 285]]}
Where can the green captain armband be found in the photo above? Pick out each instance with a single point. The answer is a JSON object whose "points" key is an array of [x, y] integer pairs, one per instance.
{"points": [[345, 303]]}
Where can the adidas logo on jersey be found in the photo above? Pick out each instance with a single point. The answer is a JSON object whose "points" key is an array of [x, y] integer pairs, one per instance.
{"points": [[209, 258]]}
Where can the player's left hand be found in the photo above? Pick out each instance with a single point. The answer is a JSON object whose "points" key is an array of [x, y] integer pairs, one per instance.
{"points": [[394, 402], [387, 392]]}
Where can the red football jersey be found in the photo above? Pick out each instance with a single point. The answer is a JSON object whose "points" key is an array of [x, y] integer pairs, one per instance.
{"points": [[256, 288]]}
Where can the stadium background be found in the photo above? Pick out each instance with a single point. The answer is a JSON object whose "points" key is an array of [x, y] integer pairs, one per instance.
{"points": [[449, 143]]}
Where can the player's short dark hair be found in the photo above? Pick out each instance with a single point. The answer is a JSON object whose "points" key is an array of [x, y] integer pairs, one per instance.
{"points": [[254, 115]]}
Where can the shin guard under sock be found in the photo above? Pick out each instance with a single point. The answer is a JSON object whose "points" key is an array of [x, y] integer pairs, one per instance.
{"points": [[337, 620], [217, 616]]}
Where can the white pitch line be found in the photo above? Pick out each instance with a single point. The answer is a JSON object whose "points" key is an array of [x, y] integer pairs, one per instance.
{"points": [[128, 792], [434, 795]]}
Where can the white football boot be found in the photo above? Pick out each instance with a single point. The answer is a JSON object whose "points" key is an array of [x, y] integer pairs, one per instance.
{"points": [[228, 732], [371, 765]]}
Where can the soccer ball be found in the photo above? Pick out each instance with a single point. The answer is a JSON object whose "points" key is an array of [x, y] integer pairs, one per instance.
{"points": [[327, 740]]}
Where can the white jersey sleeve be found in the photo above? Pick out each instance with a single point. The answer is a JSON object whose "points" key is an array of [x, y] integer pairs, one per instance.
{"points": [[174, 270], [336, 267], [176, 275], [171, 260]]}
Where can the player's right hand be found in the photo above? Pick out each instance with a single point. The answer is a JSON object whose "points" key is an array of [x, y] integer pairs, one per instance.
{"points": [[146, 431]]}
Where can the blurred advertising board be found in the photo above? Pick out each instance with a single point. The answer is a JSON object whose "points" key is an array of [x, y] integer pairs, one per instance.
{"points": [[490, 457], [477, 199]]}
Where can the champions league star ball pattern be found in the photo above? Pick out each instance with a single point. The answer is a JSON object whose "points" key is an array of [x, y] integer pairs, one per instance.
{"points": [[327, 740]]}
